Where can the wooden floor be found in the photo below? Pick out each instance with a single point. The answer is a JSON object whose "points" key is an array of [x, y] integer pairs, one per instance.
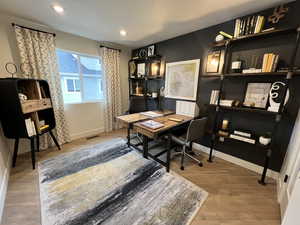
{"points": [[235, 197]]}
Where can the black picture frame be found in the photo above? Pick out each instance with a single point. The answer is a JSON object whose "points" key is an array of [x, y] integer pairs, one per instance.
{"points": [[218, 55], [151, 50]]}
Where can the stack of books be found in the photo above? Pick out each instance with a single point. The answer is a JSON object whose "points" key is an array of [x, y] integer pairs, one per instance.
{"points": [[214, 97], [152, 124], [270, 62], [30, 127], [228, 103], [248, 25], [242, 136]]}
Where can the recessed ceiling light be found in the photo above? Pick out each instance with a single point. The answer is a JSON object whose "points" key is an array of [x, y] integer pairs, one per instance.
{"points": [[123, 33], [58, 8]]}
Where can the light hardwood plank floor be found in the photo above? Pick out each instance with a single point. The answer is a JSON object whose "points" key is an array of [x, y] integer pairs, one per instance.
{"points": [[235, 197]]}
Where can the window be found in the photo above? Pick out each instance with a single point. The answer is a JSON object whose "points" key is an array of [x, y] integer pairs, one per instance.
{"points": [[81, 77]]}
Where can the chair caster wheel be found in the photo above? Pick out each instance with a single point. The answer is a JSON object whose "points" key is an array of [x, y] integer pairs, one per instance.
{"points": [[182, 168], [200, 164]]}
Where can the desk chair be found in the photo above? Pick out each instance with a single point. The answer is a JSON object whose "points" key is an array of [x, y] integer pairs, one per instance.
{"points": [[195, 131]]}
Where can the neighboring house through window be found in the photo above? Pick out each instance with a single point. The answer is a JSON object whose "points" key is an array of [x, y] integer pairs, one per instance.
{"points": [[81, 77]]}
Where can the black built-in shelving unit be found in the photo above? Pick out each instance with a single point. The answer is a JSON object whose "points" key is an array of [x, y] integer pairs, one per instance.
{"points": [[276, 116], [144, 102]]}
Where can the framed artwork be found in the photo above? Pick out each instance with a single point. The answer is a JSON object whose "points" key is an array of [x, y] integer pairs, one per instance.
{"points": [[141, 69], [214, 62], [182, 79], [257, 95], [151, 50]]}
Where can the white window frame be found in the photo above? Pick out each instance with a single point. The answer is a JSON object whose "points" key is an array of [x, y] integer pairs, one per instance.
{"points": [[80, 76]]}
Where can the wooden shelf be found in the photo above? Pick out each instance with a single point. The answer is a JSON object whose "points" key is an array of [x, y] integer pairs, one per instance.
{"points": [[252, 74], [30, 106], [257, 144], [246, 109], [256, 36], [146, 78]]}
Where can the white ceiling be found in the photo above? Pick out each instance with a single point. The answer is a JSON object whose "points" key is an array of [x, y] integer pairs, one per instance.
{"points": [[146, 21]]}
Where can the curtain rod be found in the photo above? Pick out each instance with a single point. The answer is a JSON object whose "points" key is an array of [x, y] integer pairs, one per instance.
{"points": [[29, 28], [102, 46]]}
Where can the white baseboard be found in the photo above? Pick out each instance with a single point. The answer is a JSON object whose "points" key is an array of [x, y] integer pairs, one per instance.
{"points": [[3, 187], [87, 133], [240, 162]]}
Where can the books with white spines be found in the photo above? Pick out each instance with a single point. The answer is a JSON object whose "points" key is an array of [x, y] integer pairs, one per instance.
{"points": [[33, 128], [240, 138], [237, 27], [214, 97], [226, 103], [151, 114], [241, 133], [30, 127], [152, 124]]}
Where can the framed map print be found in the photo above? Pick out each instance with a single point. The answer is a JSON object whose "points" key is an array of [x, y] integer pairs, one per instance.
{"points": [[182, 79]]}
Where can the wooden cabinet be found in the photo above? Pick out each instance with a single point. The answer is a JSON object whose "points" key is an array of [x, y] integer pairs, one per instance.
{"points": [[26, 111]]}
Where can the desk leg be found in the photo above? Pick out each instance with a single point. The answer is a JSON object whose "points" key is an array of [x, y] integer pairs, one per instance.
{"points": [[128, 135], [145, 146], [169, 153]]}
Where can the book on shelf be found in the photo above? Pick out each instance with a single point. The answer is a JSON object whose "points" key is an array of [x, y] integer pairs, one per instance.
{"points": [[248, 25], [228, 103], [241, 138], [270, 62], [242, 133], [152, 124], [214, 97], [30, 127]]}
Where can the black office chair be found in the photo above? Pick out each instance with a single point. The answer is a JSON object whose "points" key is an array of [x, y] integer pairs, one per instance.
{"points": [[195, 132]]}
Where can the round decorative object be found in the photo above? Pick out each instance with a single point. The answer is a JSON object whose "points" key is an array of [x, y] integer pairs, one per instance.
{"points": [[264, 140], [219, 37], [142, 53], [22, 97], [11, 68], [276, 94], [132, 68]]}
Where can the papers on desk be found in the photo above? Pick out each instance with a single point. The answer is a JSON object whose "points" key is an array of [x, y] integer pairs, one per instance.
{"points": [[151, 114], [152, 124]]}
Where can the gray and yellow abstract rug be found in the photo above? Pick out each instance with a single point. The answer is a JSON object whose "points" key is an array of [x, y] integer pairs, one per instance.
{"points": [[112, 184]]}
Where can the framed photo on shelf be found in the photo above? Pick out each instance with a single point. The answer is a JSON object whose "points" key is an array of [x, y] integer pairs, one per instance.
{"points": [[182, 79], [257, 95], [214, 62], [151, 50], [141, 69]]}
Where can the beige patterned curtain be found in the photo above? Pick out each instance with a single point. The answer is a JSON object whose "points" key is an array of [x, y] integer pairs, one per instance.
{"points": [[38, 50], [112, 84]]}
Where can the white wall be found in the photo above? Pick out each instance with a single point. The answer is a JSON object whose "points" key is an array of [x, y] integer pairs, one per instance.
{"points": [[84, 119]]}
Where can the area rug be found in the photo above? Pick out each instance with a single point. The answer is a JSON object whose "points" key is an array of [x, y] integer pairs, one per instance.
{"points": [[112, 184]]}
